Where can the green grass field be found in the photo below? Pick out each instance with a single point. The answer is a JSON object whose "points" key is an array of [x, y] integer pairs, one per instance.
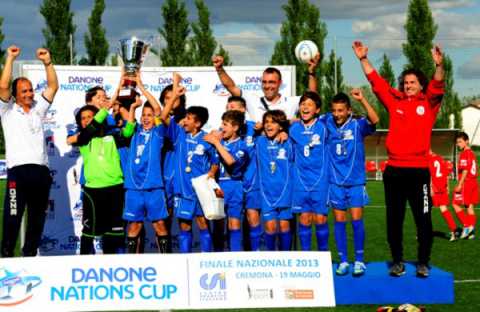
{"points": [[461, 257]]}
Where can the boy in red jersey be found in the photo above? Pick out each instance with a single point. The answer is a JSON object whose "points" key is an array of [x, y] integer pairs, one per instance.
{"points": [[439, 190], [466, 190]]}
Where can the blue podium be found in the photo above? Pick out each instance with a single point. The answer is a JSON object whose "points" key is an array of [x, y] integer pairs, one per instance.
{"points": [[378, 287]]}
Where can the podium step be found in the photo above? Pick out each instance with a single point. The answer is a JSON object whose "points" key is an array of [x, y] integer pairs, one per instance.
{"points": [[378, 287]]}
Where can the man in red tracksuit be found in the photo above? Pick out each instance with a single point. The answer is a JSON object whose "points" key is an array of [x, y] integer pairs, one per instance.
{"points": [[412, 112]]}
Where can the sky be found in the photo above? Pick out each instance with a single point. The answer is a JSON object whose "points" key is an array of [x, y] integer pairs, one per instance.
{"points": [[248, 29]]}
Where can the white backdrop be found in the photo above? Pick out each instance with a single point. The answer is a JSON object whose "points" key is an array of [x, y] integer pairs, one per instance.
{"points": [[63, 226]]}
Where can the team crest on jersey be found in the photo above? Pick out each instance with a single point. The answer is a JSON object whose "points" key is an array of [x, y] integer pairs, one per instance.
{"points": [[199, 149], [249, 140], [348, 135], [240, 154], [315, 139], [420, 110], [282, 154]]}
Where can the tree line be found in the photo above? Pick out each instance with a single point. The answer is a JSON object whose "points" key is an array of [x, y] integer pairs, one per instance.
{"points": [[193, 44]]}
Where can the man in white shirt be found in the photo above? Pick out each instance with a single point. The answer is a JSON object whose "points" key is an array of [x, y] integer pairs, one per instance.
{"points": [[29, 180], [271, 83]]}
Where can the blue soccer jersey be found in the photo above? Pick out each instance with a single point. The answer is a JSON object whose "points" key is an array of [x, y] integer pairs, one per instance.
{"points": [[274, 161], [239, 151], [250, 181], [311, 157], [347, 150], [144, 170], [193, 157]]}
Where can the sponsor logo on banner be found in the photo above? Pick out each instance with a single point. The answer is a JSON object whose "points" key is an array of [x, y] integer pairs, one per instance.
{"points": [[41, 86], [254, 83], [113, 283], [16, 287], [259, 293], [48, 243], [214, 286], [83, 83], [77, 211], [299, 294], [220, 90], [49, 122], [187, 82], [72, 243], [3, 169]]}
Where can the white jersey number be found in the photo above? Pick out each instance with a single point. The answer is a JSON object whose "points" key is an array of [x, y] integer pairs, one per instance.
{"points": [[438, 172]]}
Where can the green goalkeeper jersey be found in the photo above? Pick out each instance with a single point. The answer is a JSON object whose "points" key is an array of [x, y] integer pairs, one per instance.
{"points": [[101, 159]]}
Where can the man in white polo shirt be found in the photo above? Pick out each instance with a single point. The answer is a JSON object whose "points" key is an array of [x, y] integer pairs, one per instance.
{"points": [[28, 182], [271, 83]]}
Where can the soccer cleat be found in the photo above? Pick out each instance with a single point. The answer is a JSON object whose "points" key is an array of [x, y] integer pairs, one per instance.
{"points": [[466, 232], [342, 268], [472, 234], [453, 236], [422, 270], [359, 268], [397, 269]]}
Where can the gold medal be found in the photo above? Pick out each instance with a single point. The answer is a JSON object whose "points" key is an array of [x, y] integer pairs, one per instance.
{"points": [[188, 169], [273, 167]]}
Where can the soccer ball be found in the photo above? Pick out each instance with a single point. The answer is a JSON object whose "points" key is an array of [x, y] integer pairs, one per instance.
{"points": [[305, 51]]}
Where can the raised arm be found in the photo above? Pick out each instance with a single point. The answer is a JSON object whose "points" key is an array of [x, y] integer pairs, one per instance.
{"points": [[150, 98], [312, 78], [177, 92], [226, 80], [52, 82], [361, 52], [372, 115], [437, 56], [12, 53]]}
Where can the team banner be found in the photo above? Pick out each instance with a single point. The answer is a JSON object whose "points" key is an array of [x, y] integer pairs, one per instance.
{"points": [[63, 226], [174, 281]]}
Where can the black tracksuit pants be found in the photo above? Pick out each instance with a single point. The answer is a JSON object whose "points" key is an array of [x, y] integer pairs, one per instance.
{"points": [[27, 186], [412, 185]]}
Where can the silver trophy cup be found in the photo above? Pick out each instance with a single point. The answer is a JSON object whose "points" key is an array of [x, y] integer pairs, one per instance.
{"points": [[132, 51]]}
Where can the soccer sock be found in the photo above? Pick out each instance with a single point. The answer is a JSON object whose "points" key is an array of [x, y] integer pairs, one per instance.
{"points": [[205, 241], [86, 245], [185, 241], [235, 240], [255, 234], [305, 236], [285, 240], [162, 243], [322, 232], [341, 240], [472, 220], [462, 217], [133, 243], [447, 216], [270, 241], [358, 238]]}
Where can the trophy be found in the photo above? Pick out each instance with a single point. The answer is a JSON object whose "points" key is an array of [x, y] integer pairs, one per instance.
{"points": [[132, 51]]}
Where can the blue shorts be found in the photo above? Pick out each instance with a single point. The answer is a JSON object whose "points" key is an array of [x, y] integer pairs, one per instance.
{"points": [[345, 197], [314, 201], [253, 199], [281, 213], [233, 197], [168, 182], [187, 208], [145, 204]]}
